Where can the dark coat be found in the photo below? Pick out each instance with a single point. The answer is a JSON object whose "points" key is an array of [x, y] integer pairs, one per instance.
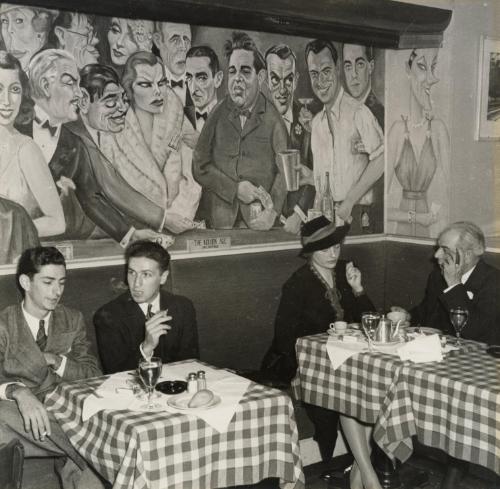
{"points": [[484, 307], [120, 330], [305, 310]]}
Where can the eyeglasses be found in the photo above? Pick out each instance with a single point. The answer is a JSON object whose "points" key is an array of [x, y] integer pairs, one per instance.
{"points": [[90, 34]]}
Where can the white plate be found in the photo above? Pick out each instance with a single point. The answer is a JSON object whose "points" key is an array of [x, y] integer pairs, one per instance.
{"points": [[182, 403], [424, 330]]}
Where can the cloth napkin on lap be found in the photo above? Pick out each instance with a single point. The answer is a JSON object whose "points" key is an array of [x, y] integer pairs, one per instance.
{"points": [[340, 351], [422, 349]]}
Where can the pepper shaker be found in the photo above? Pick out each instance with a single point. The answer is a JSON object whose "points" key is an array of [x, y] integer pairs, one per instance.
{"points": [[202, 381]]}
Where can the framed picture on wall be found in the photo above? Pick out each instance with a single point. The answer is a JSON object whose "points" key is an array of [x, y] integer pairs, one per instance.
{"points": [[488, 109]]}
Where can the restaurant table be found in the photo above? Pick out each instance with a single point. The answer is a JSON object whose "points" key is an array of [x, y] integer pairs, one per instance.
{"points": [[453, 405], [140, 449]]}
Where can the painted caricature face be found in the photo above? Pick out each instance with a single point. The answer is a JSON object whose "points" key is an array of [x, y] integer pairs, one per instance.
{"points": [[44, 290], [282, 81], [79, 40], [107, 113], [63, 92], [357, 70], [19, 35], [422, 77], [121, 41], [11, 92], [201, 82], [149, 88], [324, 75], [174, 42], [326, 258], [144, 278], [243, 81]]}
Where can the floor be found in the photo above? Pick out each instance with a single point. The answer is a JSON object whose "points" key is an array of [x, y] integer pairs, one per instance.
{"points": [[38, 474]]}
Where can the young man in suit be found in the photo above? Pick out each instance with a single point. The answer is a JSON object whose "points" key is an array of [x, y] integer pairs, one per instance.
{"points": [[42, 343], [145, 320]]}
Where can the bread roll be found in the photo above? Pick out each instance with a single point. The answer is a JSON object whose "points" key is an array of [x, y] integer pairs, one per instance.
{"points": [[201, 398]]}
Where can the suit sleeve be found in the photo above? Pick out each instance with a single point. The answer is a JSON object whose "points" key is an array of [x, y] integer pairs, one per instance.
{"points": [[421, 312], [115, 350], [188, 347], [80, 363]]}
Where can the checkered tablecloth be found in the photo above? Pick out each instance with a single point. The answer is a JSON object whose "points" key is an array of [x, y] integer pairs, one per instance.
{"points": [[159, 449], [453, 405]]}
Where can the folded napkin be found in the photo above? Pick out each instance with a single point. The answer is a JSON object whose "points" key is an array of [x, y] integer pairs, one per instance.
{"points": [[422, 349], [340, 351], [228, 386]]}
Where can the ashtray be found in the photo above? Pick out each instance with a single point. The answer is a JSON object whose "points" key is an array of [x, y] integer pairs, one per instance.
{"points": [[494, 351], [171, 386]]}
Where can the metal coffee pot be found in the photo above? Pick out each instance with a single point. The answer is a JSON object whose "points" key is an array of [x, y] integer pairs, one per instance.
{"points": [[386, 330]]}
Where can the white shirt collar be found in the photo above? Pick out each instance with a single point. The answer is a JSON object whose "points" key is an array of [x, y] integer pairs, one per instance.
{"points": [[363, 100], [335, 110], [466, 275], [288, 115], [171, 76], [34, 322], [155, 303]]}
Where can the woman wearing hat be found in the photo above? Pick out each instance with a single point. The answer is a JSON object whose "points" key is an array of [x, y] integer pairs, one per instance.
{"points": [[324, 290]]}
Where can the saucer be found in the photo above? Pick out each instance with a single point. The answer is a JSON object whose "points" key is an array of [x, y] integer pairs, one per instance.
{"points": [[171, 386], [181, 402], [346, 332]]}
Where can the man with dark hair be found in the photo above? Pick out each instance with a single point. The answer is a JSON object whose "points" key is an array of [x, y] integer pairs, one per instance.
{"points": [[240, 167], [282, 80], [145, 320], [42, 343], [74, 32], [102, 111], [337, 131], [203, 78]]}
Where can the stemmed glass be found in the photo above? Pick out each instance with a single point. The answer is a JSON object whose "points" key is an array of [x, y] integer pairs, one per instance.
{"points": [[149, 372], [369, 322], [459, 317]]}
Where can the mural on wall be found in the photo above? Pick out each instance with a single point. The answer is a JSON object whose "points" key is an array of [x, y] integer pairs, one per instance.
{"points": [[133, 129], [418, 155]]}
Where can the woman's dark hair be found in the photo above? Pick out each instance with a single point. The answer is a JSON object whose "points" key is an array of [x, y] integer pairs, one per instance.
{"points": [[10, 62], [130, 73]]}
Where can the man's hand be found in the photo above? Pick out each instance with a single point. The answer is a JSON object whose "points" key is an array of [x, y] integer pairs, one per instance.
{"points": [[176, 223], [264, 220], [190, 139], [344, 210], [247, 192], [52, 360], [353, 276], [453, 267], [292, 224], [155, 327], [306, 176], [33, 412]]}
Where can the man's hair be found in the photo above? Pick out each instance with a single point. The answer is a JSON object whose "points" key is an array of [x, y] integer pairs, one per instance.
{"points": [[33, 259], [95, 77], [241, 40], [148, 249], [205, 51], [64, 20], [42, 65], [10, 62], [130, 73], [317, 45], [470, 236], [282, 51], [369, 52]]}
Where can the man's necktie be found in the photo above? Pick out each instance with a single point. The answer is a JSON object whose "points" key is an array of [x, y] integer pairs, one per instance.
{"points": [[45, 125], [150, 312], [200, 115], [41, 337], [179, 83], [330, 125], [244, 112]]}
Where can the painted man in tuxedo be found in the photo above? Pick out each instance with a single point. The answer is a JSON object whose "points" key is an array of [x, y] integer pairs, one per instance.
{"points": [[282, 79], [203, 78], [359, 63], [42, 344], [54, 83], [146, 320], [235, 160]]}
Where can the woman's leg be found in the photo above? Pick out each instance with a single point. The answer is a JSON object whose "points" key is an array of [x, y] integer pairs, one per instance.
{"points": [[358, 436]]}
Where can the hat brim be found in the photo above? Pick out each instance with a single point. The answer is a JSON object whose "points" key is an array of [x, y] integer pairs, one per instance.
{"points": [[336, 237]]}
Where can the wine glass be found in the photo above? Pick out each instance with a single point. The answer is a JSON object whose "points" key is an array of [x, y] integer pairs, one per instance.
{"points": [[459, 317], [369, 322], [149, 372], [305, 101]]}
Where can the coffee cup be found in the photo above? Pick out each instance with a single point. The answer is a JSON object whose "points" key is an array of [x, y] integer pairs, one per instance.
{"points": [[339, 326]]}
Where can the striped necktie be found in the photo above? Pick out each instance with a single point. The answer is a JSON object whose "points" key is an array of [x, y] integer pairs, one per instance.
{"points": [[41, 337], [150, 312]]}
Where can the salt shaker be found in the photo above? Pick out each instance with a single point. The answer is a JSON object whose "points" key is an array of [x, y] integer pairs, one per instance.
{"points": [[202, 381], [192, 382]]}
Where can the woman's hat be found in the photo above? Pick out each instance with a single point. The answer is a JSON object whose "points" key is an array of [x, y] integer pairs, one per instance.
{"points": [[7, 7], [320, 233]]}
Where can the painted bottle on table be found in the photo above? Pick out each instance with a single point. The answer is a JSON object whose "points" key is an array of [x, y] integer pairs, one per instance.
{"points": [[327, 202]]}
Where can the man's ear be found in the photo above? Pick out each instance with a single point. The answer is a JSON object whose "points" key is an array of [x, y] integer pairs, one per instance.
{"points": [[84, 102], [164, 277], [25, 282], [262, 75], [59, 33], [218, 77], [371, 66], [157, 39], [44, 85]]}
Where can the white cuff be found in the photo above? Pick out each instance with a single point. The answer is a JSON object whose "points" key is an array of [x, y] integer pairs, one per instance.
{"points": [[125, 240], [3, 388], [147, 358], [449, 288], [62, 367]]}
